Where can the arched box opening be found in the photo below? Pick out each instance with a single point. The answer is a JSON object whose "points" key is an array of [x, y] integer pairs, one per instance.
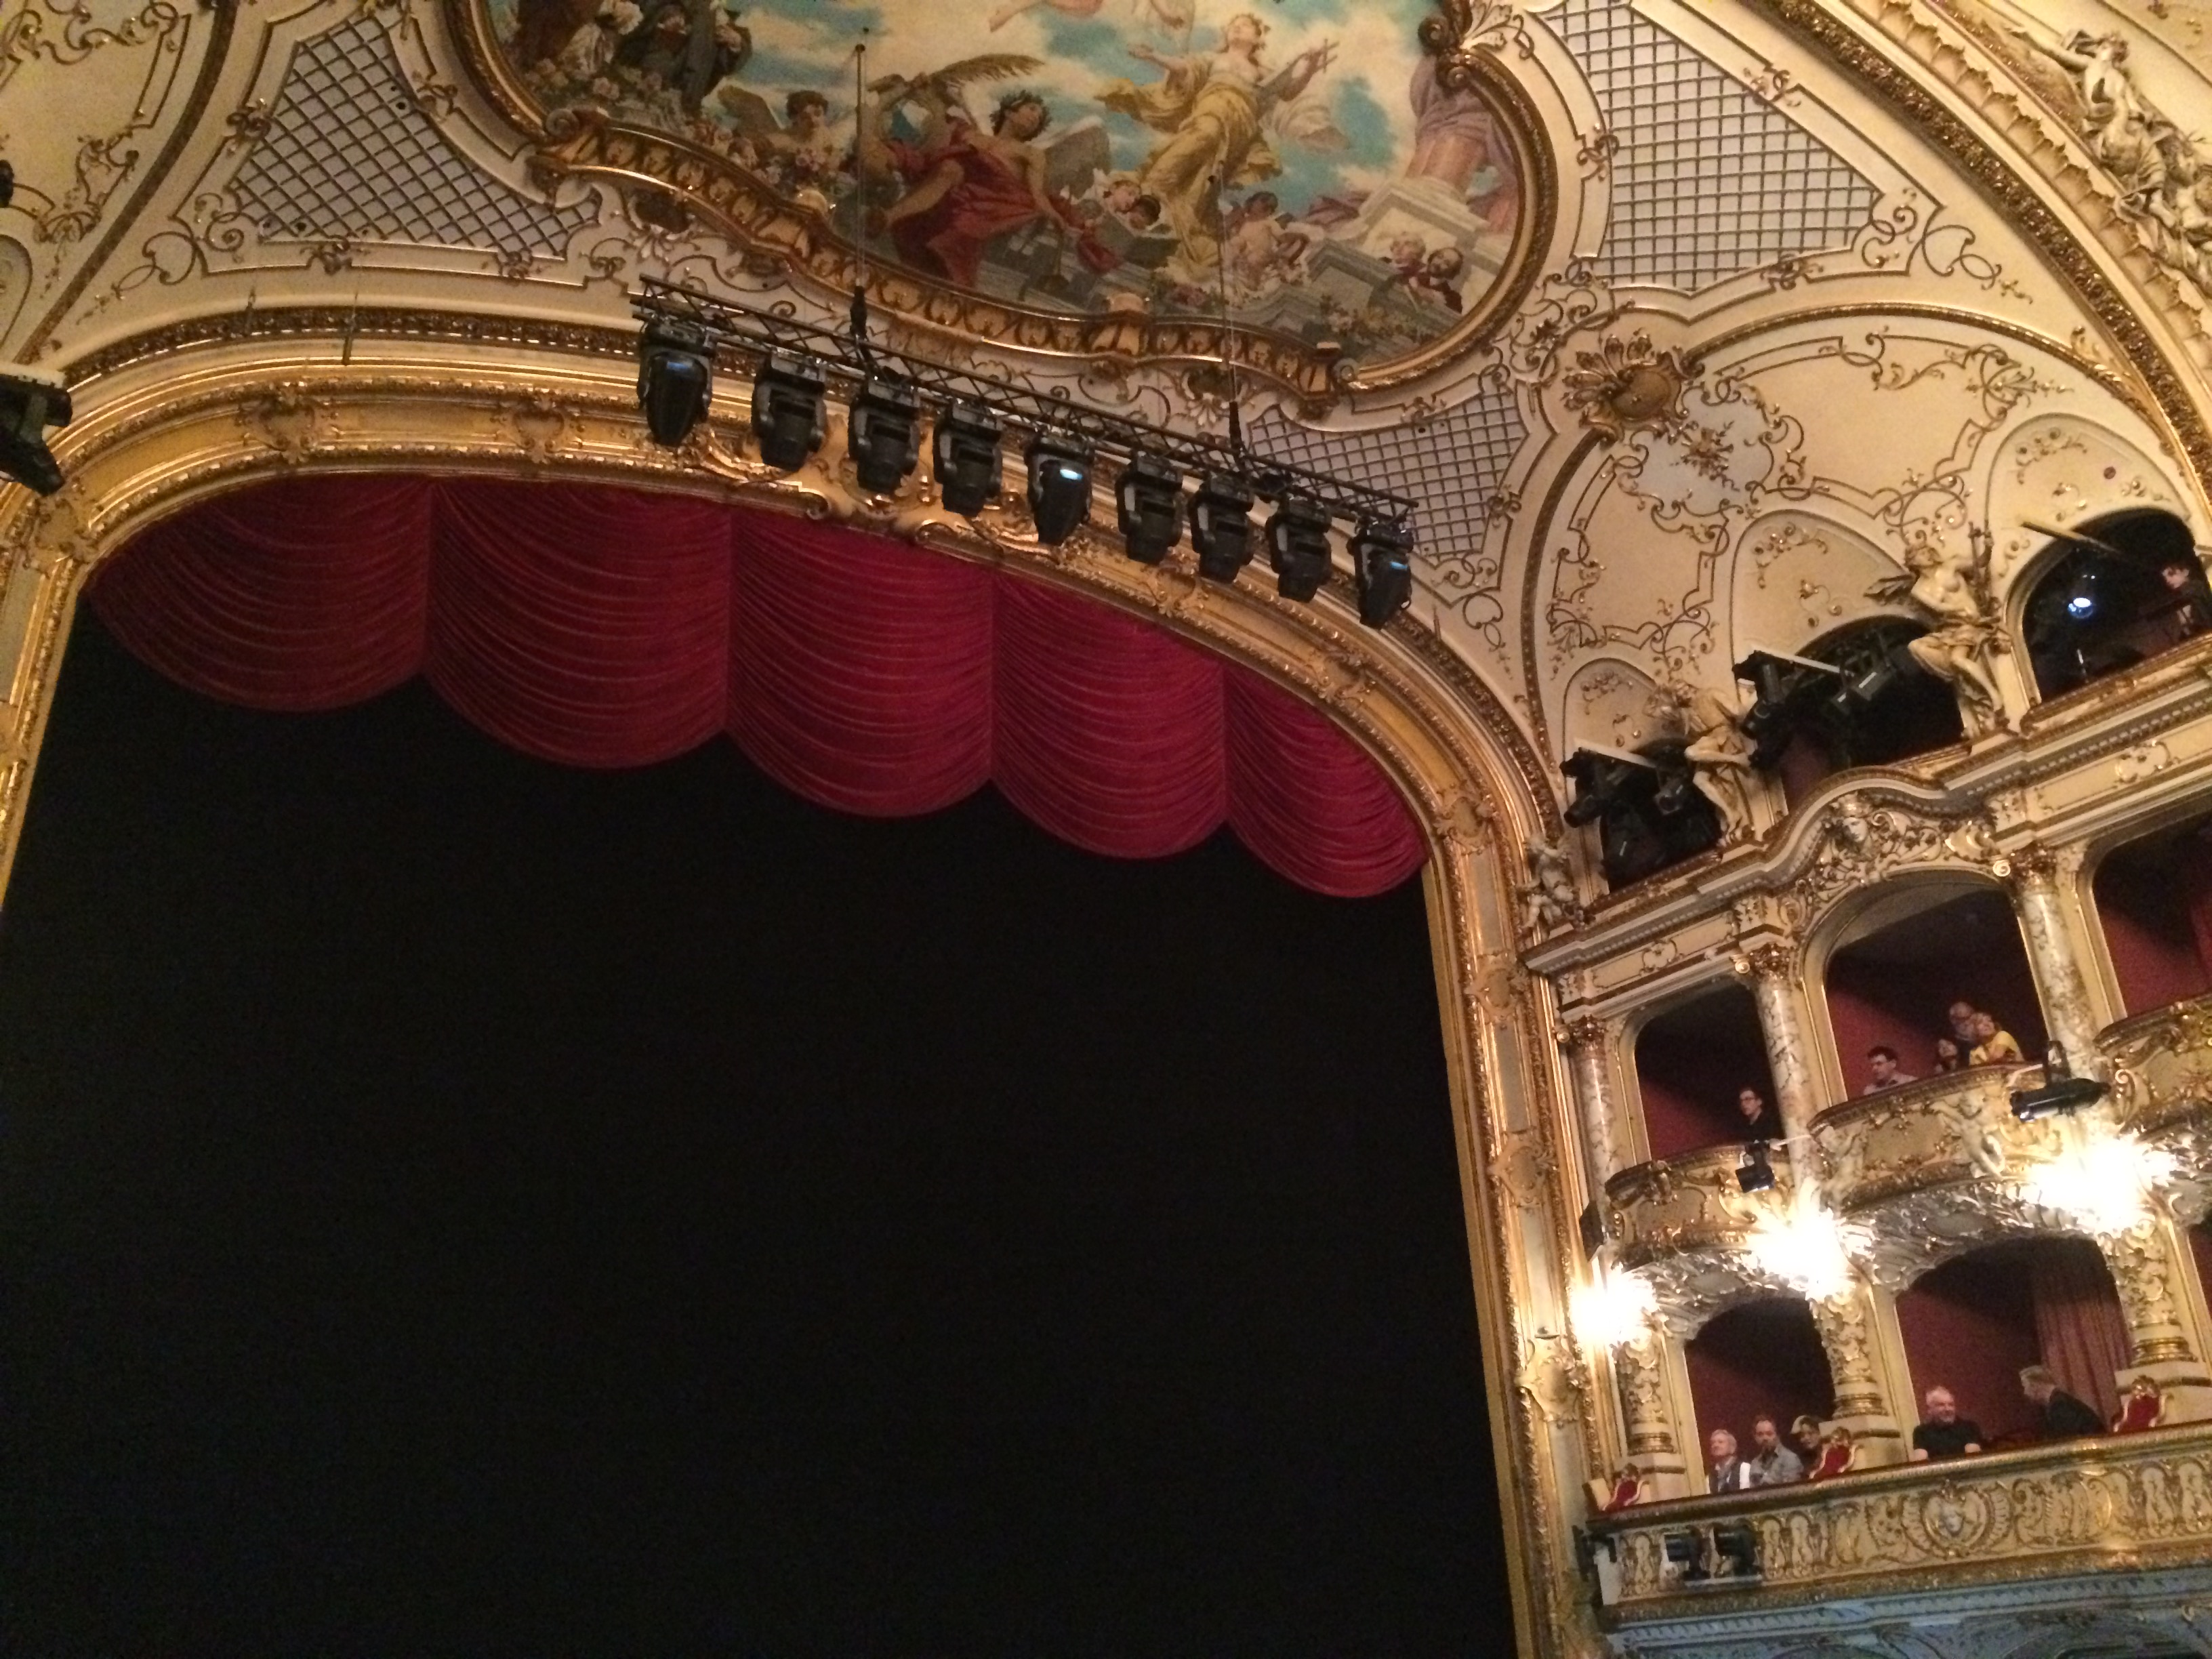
{"points": [[1972, 1325], [1879, 708], [2154, 899], [2131, 588], [1761, 1358], [1694, 1063], [1915, 954]]}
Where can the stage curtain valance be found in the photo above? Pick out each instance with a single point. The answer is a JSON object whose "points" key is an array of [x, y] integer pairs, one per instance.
{"points": [[600, 627]]}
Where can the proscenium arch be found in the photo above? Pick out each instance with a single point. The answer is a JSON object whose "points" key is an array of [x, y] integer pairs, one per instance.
{"points": [[167, 425]]}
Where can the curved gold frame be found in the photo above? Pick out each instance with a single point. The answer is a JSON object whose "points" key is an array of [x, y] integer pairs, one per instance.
{"points": [[790, 238], [168, 424]]}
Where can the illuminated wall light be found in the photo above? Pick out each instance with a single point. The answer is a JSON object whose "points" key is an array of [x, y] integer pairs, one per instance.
{"points": [[1612, 1310], [1809, 1249], [2105, 1184]]}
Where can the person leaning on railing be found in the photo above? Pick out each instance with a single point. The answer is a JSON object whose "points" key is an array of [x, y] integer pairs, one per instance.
{"points": [[2064, 1417], [1943, 1433]]}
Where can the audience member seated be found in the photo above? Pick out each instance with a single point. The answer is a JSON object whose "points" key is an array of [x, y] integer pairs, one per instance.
{"points": [[1806, 1431], [2063, 1416], [1882, 1069], [2142, 1409], [2186, 612], [1947, 1058], [1727, 1471], [1993, 1044], [1942, 1432], [1961, 1016], [1759, 1122], [1773, 1464], [1835, 1458]]}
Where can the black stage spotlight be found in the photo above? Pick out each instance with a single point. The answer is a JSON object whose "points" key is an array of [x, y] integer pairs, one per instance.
{"points": [[1221, 526], [675, 378], [2062, 1092], [1754, 1172], [1148, 506], [1298, 548], [31, 400], [7, 184], [964, 454], [1784, 686], [1383, 563], [790, 395], [883, 435], [1059, 486], [1604, 780]]}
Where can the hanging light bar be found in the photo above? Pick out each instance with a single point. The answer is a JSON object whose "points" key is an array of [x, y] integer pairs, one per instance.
{"points": [[799, 365]]}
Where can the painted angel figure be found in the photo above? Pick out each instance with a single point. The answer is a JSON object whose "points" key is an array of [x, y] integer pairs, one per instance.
{"points": [[1948, 586], [1218, 109]]}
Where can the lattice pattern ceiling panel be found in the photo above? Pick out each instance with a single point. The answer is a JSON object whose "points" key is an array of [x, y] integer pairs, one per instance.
{"points": [[349, 155], [1708, 180], [1452, 464]]}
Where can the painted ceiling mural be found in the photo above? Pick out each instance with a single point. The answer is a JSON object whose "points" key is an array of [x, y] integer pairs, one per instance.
{"points": [[1302, 164]]}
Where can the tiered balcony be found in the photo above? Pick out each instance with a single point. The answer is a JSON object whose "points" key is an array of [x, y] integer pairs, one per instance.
{"points": [[1678, 1209], [2165, 1060], [1880, 1149], [2075, 1506]]}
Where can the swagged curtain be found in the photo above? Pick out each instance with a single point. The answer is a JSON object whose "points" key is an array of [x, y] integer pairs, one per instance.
{"points": [[600, 627]]}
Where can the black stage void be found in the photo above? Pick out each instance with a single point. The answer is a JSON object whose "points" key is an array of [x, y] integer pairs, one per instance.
{"points": [[453, 1204]]}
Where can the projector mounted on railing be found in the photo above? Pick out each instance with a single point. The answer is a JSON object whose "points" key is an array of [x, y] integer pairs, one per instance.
{"points": [[796, 366]]}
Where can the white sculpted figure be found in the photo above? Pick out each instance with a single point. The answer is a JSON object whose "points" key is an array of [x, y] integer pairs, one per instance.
{"points": [[1550, 898], [1949, 587], [1718, 753]]}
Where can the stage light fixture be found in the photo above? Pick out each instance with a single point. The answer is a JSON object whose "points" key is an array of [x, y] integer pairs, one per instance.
{"points": [[1059, 486], [883, 435], [1382, 563], [675, 379], [1602, 779], [7, 184], [1754, 1171], [31, 400], [964, 454], [2059, 1095], [1148, 508], [1221, 526], [2083, 599], [1783, 685], [790, 401], [1298, 548]]}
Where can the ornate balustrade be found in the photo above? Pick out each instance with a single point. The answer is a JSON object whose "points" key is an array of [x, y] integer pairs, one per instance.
{"points": [[1688, 1205], [1933, 1134], [2163, 1066], [2077, 1506]]}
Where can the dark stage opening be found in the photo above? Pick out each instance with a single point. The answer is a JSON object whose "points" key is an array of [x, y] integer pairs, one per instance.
{"points": [[457, 1204]]}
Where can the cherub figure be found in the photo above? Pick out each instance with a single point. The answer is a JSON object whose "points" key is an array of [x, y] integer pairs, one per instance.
{"points": [[1950, 587], [1550, 899]]}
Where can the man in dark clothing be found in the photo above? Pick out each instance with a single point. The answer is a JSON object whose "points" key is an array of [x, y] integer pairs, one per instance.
{"points": [[2063, 1416], [1943, 1433], [1759, 1121]]}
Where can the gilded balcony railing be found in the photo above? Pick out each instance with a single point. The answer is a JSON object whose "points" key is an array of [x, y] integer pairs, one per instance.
{"points": [[1955, 1127], [1688, 1205], [2163, 1066], [2076, 1505]]}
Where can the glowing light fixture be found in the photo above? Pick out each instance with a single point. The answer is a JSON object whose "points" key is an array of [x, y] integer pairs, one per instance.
{"points": [[1612, 1310], [1807, 1248], [2105, 1184]]}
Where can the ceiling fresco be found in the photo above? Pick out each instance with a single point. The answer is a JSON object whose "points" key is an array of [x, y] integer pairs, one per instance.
{"points": [[1311, 167]]}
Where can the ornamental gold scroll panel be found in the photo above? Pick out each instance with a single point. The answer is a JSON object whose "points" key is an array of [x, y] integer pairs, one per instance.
{"points": [[1360, 188]]}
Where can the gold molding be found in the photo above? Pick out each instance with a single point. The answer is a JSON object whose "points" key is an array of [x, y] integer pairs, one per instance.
{"points": [[784, 237], [172, 420]]}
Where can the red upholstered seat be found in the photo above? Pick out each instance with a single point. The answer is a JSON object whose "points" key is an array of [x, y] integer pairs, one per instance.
{"points": [[2142, 1409], [1837, 1456]]}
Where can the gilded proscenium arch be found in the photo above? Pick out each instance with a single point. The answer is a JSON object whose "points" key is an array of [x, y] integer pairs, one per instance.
{"points": [[164, 429]]}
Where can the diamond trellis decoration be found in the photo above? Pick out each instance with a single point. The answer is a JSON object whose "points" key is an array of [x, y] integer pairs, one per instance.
{"points": [[351, 155], [1452, 464], [1708, 180]]}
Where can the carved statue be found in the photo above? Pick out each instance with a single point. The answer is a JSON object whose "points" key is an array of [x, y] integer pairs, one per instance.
{"points": [[2164, 175], [1550, 898], [1718, 753], [1950, 587]]}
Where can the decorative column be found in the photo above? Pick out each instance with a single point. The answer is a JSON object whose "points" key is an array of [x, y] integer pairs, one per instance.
{"points": [[1845, 1322], [1588, 1041], [2031, 875], [1653, 1446], [1772, 969], [2146, 1272]]}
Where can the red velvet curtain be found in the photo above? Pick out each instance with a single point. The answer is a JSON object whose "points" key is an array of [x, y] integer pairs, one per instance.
{"points": [[598, 627]]}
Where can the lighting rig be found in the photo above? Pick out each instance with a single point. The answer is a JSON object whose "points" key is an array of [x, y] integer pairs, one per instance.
{"points": [[891, 394], [1646, 806], [2060, 1093], [31, 400]]}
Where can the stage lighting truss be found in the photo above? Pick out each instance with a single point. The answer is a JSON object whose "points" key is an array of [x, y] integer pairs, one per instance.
{"points": [[798, 366]]}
